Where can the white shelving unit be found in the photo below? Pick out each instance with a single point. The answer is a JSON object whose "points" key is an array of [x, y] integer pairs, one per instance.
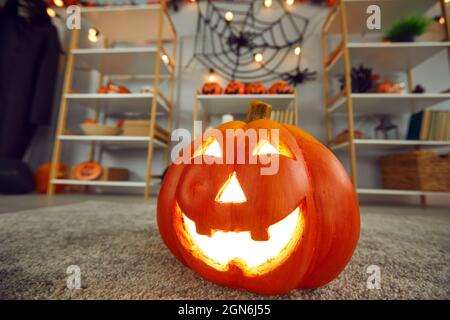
{"points": [[134, 47], [367, 144], [347, 19], [237, 104]]}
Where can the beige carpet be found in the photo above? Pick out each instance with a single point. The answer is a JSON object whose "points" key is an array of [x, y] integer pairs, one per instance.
{"points": [[121, 256]]}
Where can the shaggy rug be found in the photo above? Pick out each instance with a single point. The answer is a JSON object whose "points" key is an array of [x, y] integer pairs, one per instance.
{"points": [[121, 256]]}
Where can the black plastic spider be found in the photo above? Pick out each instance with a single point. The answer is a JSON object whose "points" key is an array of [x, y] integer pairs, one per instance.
{"points": [[300, 76]]}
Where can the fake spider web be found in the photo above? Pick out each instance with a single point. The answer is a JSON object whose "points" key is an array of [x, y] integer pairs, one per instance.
{"points": [[229, 47]]}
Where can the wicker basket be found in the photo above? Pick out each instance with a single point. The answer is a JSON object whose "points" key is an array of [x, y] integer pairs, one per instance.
{"points": [[419, 170]]}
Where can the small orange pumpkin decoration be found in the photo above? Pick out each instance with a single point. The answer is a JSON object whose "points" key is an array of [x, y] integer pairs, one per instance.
{"points": [[89, 170], [42, 176], [255, 88], [270, 234], [212, 88], [281, 87], [113, 88], [235, 87]]}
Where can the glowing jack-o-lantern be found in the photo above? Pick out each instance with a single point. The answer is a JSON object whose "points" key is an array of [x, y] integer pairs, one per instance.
{"points": [[270, 234]]}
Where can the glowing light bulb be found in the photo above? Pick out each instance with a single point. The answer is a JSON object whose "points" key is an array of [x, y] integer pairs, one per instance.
{"points": [[442, 20], [258, 57], [58, 3], [165, 58], [229, 16], [211, 76], [267, 3], [446, 1], [290, 2], [51, 13], [93, 35], [297, 51]]}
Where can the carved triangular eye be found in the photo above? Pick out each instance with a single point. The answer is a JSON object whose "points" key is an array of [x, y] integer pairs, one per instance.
{"points": [[210, 148], [265, 147], [231, 191]]}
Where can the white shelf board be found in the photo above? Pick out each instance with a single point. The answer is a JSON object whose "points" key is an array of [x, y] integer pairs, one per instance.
{"points": [[390, 144], [388, 57], [394, 192], [114, 142], [116, 103], [238, 104], [120, 61], [139, 184], [138, 23], [390, 9], [380, 103]]}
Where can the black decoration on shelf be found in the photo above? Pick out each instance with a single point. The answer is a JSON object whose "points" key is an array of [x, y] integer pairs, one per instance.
{"points": [[362, 80], [229, 46], [419, 89]]}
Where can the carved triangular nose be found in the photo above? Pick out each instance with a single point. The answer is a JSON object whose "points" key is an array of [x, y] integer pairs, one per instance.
{"points": [[231, 191]]}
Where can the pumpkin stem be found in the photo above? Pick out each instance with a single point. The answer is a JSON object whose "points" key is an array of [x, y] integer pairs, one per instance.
{"points": [[258, 110]]}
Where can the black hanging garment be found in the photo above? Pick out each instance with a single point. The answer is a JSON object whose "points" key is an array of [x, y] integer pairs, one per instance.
{"points": [[29, 53]]}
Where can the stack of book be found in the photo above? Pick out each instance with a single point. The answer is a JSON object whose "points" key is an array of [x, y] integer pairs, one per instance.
{"points": [[429, 125]]}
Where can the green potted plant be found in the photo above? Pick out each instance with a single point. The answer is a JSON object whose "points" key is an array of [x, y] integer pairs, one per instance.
{"points": [[407, 29]]}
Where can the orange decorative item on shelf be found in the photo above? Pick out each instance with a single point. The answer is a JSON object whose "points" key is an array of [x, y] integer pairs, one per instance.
{"points": [[42, 176], [113, 88], [235, 87], [296, 228], [255, 88], [387, 86], [281, 87], [89, 170], [212, 88], [343, 136]]}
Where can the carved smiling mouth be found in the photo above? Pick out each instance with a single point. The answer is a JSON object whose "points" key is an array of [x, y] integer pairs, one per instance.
{"points": [[225, 248]]}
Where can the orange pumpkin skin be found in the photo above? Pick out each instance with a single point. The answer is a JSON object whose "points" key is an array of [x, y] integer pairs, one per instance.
{"points": [[235, 87], [281, 87], [255, 88], [42, 175], [315, 180], [212, 88]]}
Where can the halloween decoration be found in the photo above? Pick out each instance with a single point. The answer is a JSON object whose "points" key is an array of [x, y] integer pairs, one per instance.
{"points": [[281, 87], [112, 88], [408, 28], [269, 234], [247, 45], [89, 170], [419, 89], [344, 135], [235, 87], [42, 175], [363, 80], [212, 88], [387, 86], [386, 129], [255, 88]]}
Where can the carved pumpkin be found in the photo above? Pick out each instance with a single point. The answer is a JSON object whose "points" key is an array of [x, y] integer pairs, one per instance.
{"points": [[89, 170], [212, 88], [269, 234], [42, 176], [255, 88], [281, 87], [235, 87]]}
